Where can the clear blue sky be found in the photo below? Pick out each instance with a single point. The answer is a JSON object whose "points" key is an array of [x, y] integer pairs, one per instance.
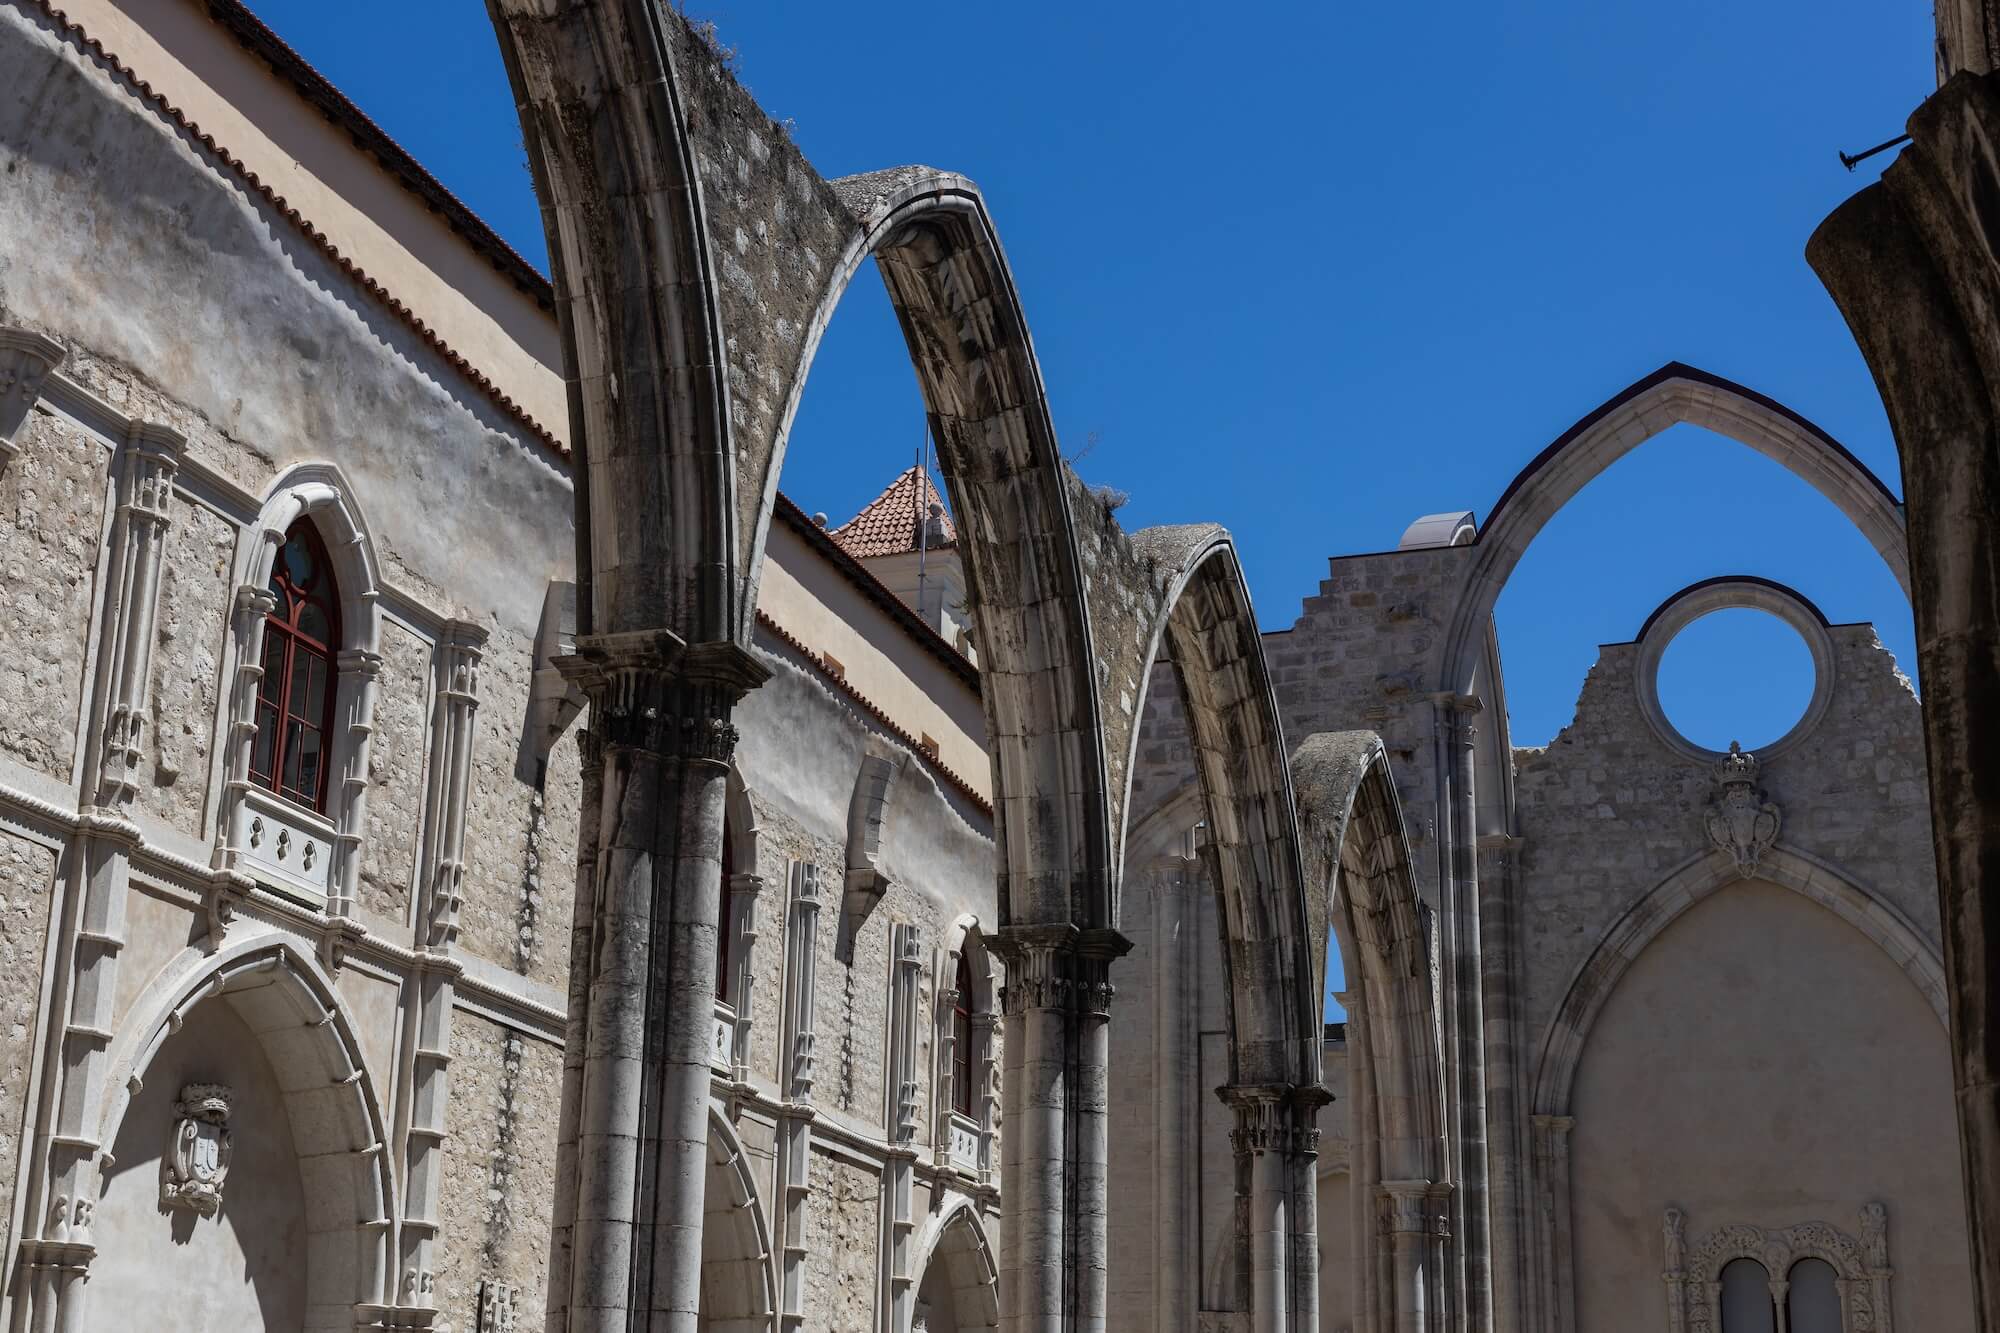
{"points": [[1313, 270]]}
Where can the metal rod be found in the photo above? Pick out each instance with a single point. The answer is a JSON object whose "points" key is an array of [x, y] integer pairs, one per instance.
{"points": [[1849, 161]]}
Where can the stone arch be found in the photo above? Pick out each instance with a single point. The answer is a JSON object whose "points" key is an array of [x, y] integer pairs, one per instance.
{"points": [[318, 491], [1270, 954], [956, 1238], [740, 819], [1670, 396], [739, 1284], [939, 255], [279, 991], [1353, 843], [1591, 985]]}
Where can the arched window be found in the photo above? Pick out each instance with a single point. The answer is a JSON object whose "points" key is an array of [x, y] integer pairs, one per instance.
{"points": [[295, 696], [1746, 1298], [961, 1034], [1812, 1301]]}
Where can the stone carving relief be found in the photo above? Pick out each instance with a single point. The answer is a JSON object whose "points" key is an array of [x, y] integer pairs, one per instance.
{"points": [[1739, 820], [1862, 1271], [496, 1306], [197, 1163]]}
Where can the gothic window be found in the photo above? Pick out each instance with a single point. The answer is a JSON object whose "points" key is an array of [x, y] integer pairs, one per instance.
{"points": [[1812, 1300], [1746, 1298], [295, 696], [961, 1031]]}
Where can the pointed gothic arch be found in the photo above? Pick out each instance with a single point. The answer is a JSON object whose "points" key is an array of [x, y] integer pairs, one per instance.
{"points": [[1670, 396]]}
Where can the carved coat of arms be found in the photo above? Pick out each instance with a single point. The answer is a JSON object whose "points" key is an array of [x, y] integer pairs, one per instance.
{"points": [[191, 1176], [1739, 820]]}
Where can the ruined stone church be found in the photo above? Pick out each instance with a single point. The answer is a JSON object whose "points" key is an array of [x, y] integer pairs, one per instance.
{"points": [[475, 856]]}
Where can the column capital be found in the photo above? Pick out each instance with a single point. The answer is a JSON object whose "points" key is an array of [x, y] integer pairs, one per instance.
{"points": [[1058, 966], [650, 690]]}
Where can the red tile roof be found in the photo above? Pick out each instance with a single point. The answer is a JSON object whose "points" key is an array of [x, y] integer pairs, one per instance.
{"points": [[889, 523]]}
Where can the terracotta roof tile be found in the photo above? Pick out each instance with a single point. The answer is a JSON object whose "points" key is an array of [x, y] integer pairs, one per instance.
{"points": [[888, 524]]}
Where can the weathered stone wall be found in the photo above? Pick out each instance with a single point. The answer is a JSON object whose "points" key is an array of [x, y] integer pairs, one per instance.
{"points": [[27, 882], [1607, 810], [842, 1238], [499, 1168], [397, 756], [500, 812], [192, 626], [51, 525]]}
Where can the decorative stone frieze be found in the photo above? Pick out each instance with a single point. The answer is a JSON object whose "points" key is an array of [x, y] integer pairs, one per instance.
{"points": [[26, 362], [1739, 820], [193, 1171]]}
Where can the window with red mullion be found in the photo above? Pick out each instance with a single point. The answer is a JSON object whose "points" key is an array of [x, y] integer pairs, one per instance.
{"points": [[961, 1033], [295, 698]]}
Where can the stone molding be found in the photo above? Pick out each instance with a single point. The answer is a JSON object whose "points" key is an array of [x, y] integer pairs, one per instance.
{"points": [[27, 359]]}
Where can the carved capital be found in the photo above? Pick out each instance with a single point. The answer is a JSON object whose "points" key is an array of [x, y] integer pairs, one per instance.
{"points": [[1416, 1208], [1058, 967], [651, 691]]}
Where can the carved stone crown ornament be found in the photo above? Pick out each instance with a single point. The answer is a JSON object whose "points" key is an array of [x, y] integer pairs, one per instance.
{"points": [[197, 1162], [1739, 820]]}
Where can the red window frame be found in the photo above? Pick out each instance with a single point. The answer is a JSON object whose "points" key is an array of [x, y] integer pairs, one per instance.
{"points": [[961, 1034], [295, 698]]}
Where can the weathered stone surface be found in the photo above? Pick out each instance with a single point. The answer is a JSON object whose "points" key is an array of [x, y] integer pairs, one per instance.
{"points": [[499, 1168], [27, 873], [842, 1238], [51, 524], [500, 811], [398, 753], [192, 626]]}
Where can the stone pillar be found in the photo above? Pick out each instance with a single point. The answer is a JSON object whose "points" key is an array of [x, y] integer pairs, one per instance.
{"points": [[1558, 1295], [425, 1058], [1466, 1025], [1054, 1159], [1415, 1219], [1910, 261], [641, 1142], [1499, 978], [745, 890], [899, 1220], [795, 1087], [56, 1245], [582, 937], [1277, 1146]]}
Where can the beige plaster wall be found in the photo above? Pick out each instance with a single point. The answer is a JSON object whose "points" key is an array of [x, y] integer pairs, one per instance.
{"points": [[816, 605], [316, 167], [1763, 1062], [241, 1269]]}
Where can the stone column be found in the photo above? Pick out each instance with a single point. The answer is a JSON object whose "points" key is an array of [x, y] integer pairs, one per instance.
{"points": [[795, 1087], [1277, 1145], [745, 890], [641, 1143], [1910, 261], [1412, 1219], [1499, 939], [57, 1245], [582, 936], [425, 1058], [899, 1221], [1054, 1158], [1552, 1174], [1466, 1029]]}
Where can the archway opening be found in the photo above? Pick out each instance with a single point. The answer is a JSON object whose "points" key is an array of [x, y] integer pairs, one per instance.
{"points": [[736, 1277], [956, 1292], [1736, 675]]}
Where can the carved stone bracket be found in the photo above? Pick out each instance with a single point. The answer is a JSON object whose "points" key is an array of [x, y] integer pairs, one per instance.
{"points": [[650, 690], [26, 362], [1739, 820]]}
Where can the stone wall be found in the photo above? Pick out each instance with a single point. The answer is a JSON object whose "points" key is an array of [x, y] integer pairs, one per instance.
{"points": [[842, 1238], [192, 627], [51, 526], [397, 755], [499, 1169], [1607, 810], [501, 815], [27, 882]]}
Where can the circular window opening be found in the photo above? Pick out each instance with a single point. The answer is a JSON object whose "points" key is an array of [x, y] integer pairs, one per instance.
{"points": [[1736, 675]]}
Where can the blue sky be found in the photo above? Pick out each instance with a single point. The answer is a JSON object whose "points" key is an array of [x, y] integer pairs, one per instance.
{"points": [[1313, 270]]}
